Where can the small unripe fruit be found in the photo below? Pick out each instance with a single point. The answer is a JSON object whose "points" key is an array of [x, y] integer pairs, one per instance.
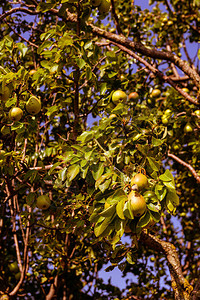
{"points": [[119, 96], [104, 6], [188, 128], [197, 112], [4, 96], [33, 105], [185, 90], [133, 96], [43, 202], [155, 93], [13, 267], [15, 114], [165, 120]]}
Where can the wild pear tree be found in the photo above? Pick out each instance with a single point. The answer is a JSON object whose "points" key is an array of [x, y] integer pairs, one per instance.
{"points": [[99, 122]]}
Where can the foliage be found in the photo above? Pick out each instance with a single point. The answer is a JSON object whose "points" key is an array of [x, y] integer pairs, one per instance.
{"points": [[82, 149]]}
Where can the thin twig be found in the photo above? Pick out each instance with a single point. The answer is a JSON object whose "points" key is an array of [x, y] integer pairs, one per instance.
{"points": [[180, 161]]}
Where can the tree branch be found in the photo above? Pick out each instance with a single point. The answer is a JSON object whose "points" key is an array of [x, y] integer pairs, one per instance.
{"points": [[180, 161], [53, 289], [159, 74], [182, 288], [140, 48]]}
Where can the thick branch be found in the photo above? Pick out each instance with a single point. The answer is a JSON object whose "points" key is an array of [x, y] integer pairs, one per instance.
{"points": [[182, 289], [158, 73], [140, 48], [180, 161], [123, 41], [17, 9]]}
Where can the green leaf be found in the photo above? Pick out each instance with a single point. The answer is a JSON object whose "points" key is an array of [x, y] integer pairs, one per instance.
{"points": [[172, 200], [72, 172], [63, 174], [156, 142], [127, 210], [153, 164], [102, 178], [144, 219], [54, 167], [120, 209], [105, 185], [30, 198], [97, 170], [137, 137], [100, 227], [22, 48], [85, 137], [119, 109], [170, 185], [153, 207], [108, 212], [80, 62], [155, 215], [117, 196], [130, 258], [167, 176]]}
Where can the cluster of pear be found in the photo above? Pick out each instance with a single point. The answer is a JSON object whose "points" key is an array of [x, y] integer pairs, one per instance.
{"points": [[103, 5], [32, 106], [137, 201], [120, 96]]}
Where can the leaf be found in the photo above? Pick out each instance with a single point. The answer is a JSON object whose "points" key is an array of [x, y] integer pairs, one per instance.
{"points": [[153, 164], [86, 136], [97, 170], [167, 176], [102, 226], [63, 174], [22, 48], [153, 207], [54, 167], [172, 199], [120, 208], [102, 178], [130, 258], [108, 212], [30, 198], [80, 62], [119, 109], [127, 210], [105, 185], [155, 215], [170, 185], [144, 219], [72, 172], [156, 142], [137, 137]]}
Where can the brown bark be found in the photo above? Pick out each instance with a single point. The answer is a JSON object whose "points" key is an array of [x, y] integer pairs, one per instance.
{"points": [[181, 287]]}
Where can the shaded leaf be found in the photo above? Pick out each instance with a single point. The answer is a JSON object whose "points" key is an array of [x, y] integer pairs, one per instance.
{"points": [[72, 172]]}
